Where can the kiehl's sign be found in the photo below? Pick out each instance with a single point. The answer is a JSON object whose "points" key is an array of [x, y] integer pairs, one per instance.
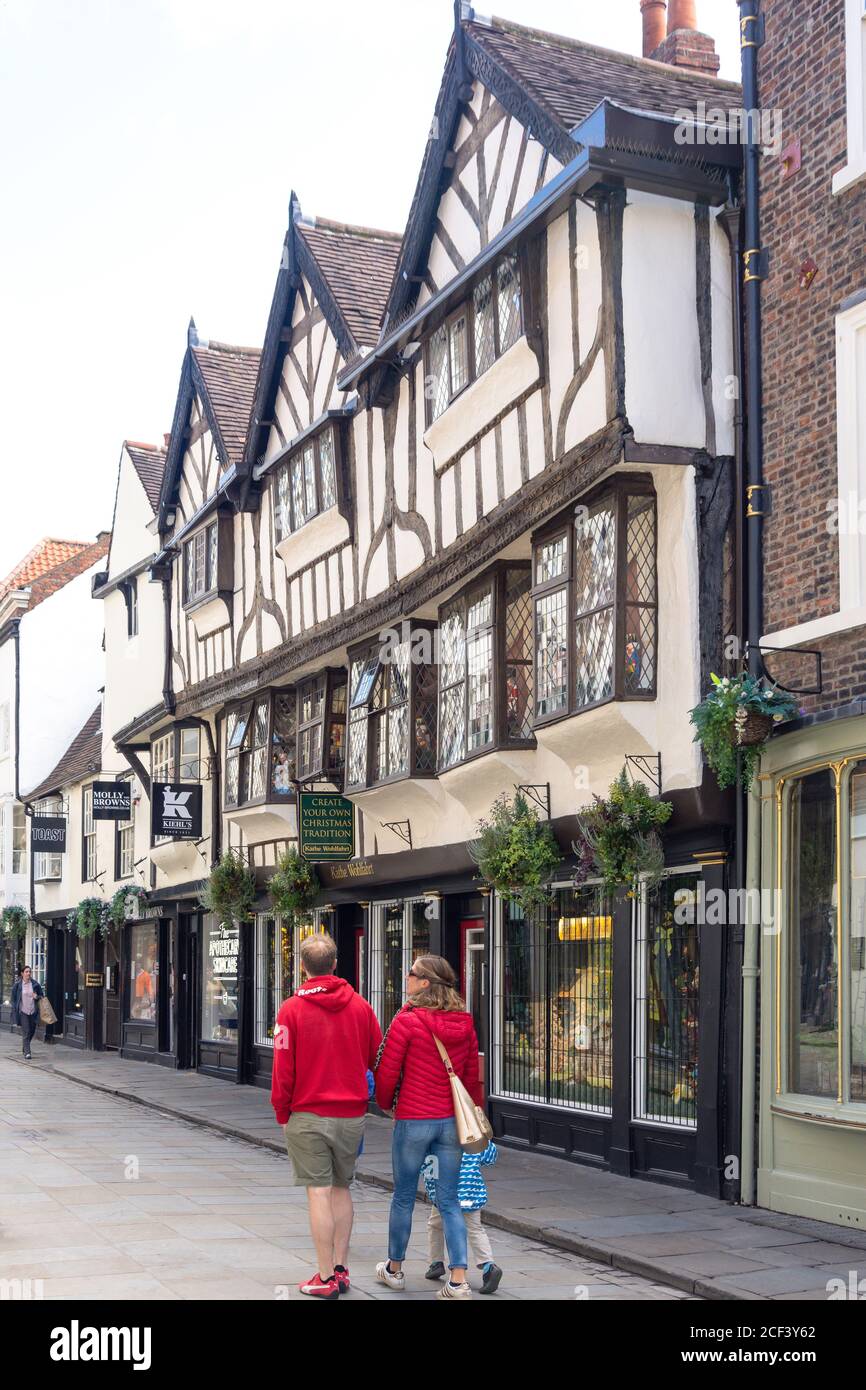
{"points": [[175, 811], [112, 801], [48, 834]]}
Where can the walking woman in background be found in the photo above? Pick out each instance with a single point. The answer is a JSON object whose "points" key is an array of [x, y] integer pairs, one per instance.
{"points": [[411, 1070], [26, 993]]}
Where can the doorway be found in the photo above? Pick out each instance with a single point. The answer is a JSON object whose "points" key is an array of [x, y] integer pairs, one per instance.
{"points": [[113, 983], [473, 980]]}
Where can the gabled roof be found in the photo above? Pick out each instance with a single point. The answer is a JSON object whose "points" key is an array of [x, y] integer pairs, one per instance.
{"points": [[549, 83], [82, 758], [358, 264], [224, 376], [44, 579], [350, 270], [148, 460]]}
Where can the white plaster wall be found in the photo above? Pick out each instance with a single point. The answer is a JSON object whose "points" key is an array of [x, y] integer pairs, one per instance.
{"points": [[130, 540], [664, 402], [724, 400]]}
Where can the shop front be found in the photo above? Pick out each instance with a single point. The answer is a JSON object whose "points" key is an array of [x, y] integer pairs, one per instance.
{"points": [[276, 946], [812, 1133]]}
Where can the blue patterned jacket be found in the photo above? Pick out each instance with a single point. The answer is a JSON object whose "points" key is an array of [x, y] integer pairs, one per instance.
{"points": [[471, 1188]]}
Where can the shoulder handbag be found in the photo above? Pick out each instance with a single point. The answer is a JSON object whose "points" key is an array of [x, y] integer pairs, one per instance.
{"points": [[474, 1130], [46, 1013]]}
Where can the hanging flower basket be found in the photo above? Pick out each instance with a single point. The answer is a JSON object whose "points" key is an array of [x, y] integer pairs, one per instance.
{"points": [[619, 839], [230, 892], [516, 853], [90, 918], [14, 922], [295, 885], [739, 713], [118, 907]]}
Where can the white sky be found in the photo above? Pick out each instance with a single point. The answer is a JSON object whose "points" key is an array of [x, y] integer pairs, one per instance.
{"points": [[147, 152]]}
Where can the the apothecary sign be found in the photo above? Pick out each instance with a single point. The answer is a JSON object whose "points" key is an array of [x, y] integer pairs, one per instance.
{"points": [[112, 800], [175, 811], [48, 834]]}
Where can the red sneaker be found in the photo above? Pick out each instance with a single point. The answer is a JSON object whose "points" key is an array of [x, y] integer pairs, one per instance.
{"points": [[341, 1274], [321, 1288]]}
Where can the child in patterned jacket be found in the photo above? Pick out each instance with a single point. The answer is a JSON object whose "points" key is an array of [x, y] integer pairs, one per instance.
{"points": [[473, 1196]]}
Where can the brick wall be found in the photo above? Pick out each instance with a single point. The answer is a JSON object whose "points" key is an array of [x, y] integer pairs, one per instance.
{"points": [[802, 73]]}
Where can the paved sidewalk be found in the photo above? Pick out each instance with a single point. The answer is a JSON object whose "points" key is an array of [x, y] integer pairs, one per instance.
{"points": [[692, 1243]]}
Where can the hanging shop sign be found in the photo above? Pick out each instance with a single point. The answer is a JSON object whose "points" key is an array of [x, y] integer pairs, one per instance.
{"points": [[48, 834], [112, 800], [326, 827], [175, 811]]}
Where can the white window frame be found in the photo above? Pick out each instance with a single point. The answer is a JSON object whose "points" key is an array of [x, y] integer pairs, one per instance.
{"points": [[126, 836], [19, 829], [48, 866], [855, 85], [322, 922], [36, 953], [88, 833], [3, 839]]}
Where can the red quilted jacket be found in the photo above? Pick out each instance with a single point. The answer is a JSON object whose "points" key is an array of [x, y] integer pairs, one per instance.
{"points": [[411, 1057]]}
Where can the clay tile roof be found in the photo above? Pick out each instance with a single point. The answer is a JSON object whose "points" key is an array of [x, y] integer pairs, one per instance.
{"points": [[229, 375], [148, 460], [569, 78], [43, 557], [358, 264], [48, 584], [81, 759]]}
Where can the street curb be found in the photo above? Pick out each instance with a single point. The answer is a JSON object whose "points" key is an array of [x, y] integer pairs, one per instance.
{"points": [[527, 1230]]}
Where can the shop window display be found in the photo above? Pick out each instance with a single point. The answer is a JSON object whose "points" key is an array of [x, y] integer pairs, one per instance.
{"points": [[220, 999], [144, 972], [667, 986]]}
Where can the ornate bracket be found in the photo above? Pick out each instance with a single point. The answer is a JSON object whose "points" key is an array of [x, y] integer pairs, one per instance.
{"points": [[402, 828], [797, 651], [537, 793], [648, 766]]}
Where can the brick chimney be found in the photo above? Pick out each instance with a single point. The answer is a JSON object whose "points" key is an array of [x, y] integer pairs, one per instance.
{"points": [[653, 16], [684, 46]]}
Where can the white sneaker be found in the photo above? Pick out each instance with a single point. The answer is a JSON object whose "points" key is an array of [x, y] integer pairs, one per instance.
{"points": [[450, 1290], [386, 1276]]}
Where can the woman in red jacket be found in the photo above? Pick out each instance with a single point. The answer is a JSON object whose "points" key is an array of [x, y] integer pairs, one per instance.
{"points": [[412, 1074]]}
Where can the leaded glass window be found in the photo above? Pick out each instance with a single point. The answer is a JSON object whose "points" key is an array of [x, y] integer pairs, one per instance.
{"points": [[392, 709], [201, 563], [306, 484], [467, 344]]}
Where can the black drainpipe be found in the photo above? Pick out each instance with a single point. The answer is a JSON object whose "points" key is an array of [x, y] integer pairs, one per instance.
{"points": [[167, 687]]}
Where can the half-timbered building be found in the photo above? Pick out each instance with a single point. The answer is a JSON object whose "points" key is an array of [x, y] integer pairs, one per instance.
{"points": [[463, 526]]}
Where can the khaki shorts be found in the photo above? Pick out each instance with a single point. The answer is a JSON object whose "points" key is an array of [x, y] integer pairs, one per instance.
{"points": [[323, 1148]]}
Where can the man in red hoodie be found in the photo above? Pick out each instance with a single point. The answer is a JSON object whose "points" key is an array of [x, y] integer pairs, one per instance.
{"points": [[325, 1041]]}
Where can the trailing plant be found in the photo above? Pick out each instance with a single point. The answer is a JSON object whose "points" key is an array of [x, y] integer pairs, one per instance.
{"points": [[14, 921], [516, 853], [117, 906], [230, 892], [727, 721], [90, 917], [619, 839], [295, 885]]}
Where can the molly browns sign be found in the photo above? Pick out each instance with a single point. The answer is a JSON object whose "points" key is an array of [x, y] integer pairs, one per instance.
{"points": [[175, 810], [112, 800]]}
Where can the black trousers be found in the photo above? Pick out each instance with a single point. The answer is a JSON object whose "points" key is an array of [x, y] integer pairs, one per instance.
{"points": [[29, 1024]]}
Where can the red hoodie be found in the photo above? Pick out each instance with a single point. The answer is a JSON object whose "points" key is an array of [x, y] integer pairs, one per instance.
{"points": [[410, 1059], [325, 1042]]}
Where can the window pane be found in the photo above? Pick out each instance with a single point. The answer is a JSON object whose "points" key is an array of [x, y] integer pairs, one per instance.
{"points": [[640, 574], [189, 755], [200, 563], [398, 740], [581, 999], [237, 726], [313, 700], [283, 753], [595, 557], [364, 675], [551, 669], [452, 726], [298, 508], [522, 1006], [666, 1050], [219, 1013], [143, 971], [327, 477], [457, 349], [310, 481], [480, 610], [357, 769], [392, 965], [857, 935], [452, 647], [814, 968], [479, 661], [310, 750], [593, 658], [437, 384], [189, 577], [640, 651], [266, 979], [485, 344], [212, 571], [283, 511], [551, 559], [425, 718], [232, 779], [508, 302], [518, 654], [258, 759]]}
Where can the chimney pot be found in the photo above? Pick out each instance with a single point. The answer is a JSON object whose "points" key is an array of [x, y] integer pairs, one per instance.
{"points": [[681, 15], [653, 16]]}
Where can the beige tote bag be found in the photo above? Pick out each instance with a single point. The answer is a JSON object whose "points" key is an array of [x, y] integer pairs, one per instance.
{"points": [[474, 1130]]}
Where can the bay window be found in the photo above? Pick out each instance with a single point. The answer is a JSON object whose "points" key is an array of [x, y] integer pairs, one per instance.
{"points": [[280, 737], [485, 665], [595, 602], [247, 729], [392, 708], [19, 839], [321, 714], [124, 851], [306, 484], [207, 561], [474, 336]]}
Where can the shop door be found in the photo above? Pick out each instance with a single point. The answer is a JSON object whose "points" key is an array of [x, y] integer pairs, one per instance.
{"points": [[473, 979], [113, 983]]}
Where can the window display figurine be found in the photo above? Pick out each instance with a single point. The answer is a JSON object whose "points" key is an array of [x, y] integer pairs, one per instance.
{"points": [[282, 772], [632, 659]]}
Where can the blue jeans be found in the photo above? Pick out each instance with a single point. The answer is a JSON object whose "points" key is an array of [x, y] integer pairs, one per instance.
{"points": [[413, 1141]]}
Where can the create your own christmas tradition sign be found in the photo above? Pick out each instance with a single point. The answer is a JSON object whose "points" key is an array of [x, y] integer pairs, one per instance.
{"points": [[326, 827]]}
